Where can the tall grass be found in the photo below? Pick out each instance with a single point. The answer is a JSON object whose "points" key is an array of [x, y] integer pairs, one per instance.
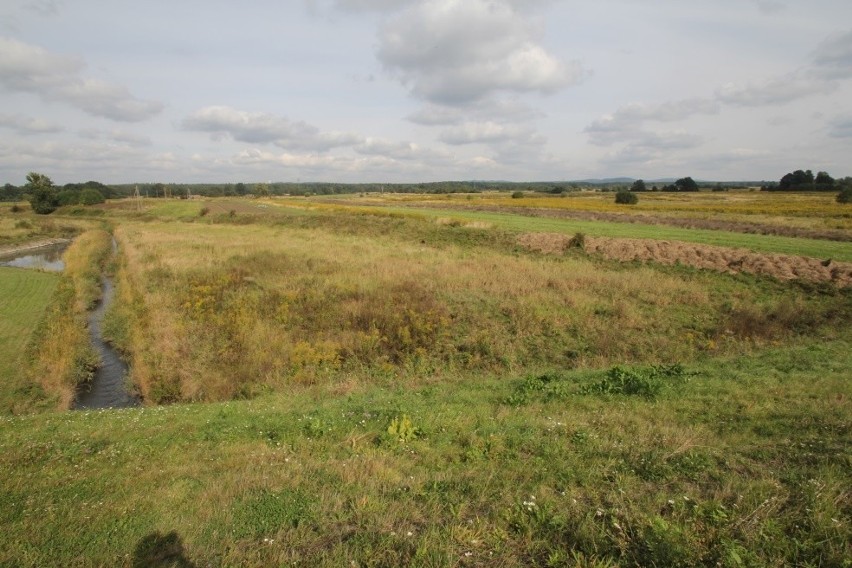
{"points": [[218, 311]]}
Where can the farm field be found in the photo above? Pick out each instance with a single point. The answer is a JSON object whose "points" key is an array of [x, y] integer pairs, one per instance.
{"points": [[383, 381]]}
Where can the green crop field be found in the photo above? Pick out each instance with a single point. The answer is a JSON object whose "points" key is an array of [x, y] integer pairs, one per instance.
{"points": [[328, 383]]}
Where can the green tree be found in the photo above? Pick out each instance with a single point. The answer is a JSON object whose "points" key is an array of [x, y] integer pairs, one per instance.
{"points": [[686, 184], [261, 189], [823, 182], [91, 196], [68, 197], [797, 181], [43, 197], [638, 185], [845, 185]]}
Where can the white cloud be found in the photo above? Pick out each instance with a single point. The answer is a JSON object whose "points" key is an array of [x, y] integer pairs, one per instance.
{"points": [[398, 150], [628, 122], [26, 125], [31, 69], [258, 127], [502, 110], [117, 136], [830, 63], [488, 132], [454, 51]]}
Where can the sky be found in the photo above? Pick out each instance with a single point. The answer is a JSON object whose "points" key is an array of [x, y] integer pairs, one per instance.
{"points": [[418, 91]]}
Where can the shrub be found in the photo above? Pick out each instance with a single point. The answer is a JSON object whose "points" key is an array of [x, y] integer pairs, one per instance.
{"points": [[203, 211], [91, 196], [845, 196], [626, 198], [517, 194], [647, 383], [16, 208], [577, 241]]}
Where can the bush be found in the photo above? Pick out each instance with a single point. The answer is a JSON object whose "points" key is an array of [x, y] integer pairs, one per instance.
{"points": [[91, 197], [626, 198], [517, 194], [577, 241], [845, 196]]}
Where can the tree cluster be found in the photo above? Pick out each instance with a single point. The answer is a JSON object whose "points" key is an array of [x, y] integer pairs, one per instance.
{"points": [[804, 180], [683, 184]]}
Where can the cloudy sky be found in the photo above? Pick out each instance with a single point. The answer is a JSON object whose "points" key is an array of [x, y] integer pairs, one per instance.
{"points": [[408, 91]]}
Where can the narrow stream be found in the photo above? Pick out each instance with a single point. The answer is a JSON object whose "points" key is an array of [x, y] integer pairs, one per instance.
{"points": [[108, 388]]}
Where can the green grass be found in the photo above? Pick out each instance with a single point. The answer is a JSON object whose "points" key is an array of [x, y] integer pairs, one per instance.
{"points": [[432, 394], [841, 251], [741, 462], [24, 296]]}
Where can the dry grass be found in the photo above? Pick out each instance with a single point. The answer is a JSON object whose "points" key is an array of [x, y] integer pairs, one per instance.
{"points": [[708, 257], [217, 311]]}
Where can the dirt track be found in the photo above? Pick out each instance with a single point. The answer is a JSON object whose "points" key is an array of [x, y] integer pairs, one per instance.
{"points": [[721, 259]]}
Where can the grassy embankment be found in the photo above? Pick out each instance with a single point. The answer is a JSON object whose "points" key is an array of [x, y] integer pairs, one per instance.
{"points": [[741, 462]]}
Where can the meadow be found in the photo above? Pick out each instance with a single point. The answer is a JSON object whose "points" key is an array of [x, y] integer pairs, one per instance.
{"points": [[377, 381]]}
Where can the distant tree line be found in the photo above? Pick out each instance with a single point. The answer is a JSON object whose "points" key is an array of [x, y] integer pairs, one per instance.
{"points": [[683, 184], [805, 180], [69, 194]]}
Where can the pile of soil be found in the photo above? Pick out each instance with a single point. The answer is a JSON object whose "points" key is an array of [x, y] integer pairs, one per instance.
{"points": [[710, 257]]}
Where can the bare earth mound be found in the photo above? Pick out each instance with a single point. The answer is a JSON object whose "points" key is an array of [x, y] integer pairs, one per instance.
{"points": [[722, 259]]}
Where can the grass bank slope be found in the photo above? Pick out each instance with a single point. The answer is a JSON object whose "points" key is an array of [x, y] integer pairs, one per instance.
{"points": [[740, 462]]}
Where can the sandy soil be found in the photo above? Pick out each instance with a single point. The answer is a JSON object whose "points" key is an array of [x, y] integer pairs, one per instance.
{"points": [[721, 259]]}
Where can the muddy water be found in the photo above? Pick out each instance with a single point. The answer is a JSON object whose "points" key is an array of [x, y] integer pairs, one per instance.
{"points": [[108, 388], [48, 258]]}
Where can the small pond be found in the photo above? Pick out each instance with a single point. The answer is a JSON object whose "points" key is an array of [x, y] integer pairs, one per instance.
{"points": [[47, 258]]}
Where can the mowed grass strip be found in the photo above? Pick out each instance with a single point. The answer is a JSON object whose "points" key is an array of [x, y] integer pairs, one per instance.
{"points": [[24, 296], [841, 251]]}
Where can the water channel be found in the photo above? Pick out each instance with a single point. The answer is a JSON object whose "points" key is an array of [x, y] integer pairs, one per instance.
{"points": [[108, 387]]}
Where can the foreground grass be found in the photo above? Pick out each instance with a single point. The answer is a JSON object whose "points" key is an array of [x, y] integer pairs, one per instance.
{"points": [[741, 462], [24, 296]]}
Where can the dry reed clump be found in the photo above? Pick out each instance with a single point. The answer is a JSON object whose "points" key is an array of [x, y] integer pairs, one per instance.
{"points": [[709, 257]]}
